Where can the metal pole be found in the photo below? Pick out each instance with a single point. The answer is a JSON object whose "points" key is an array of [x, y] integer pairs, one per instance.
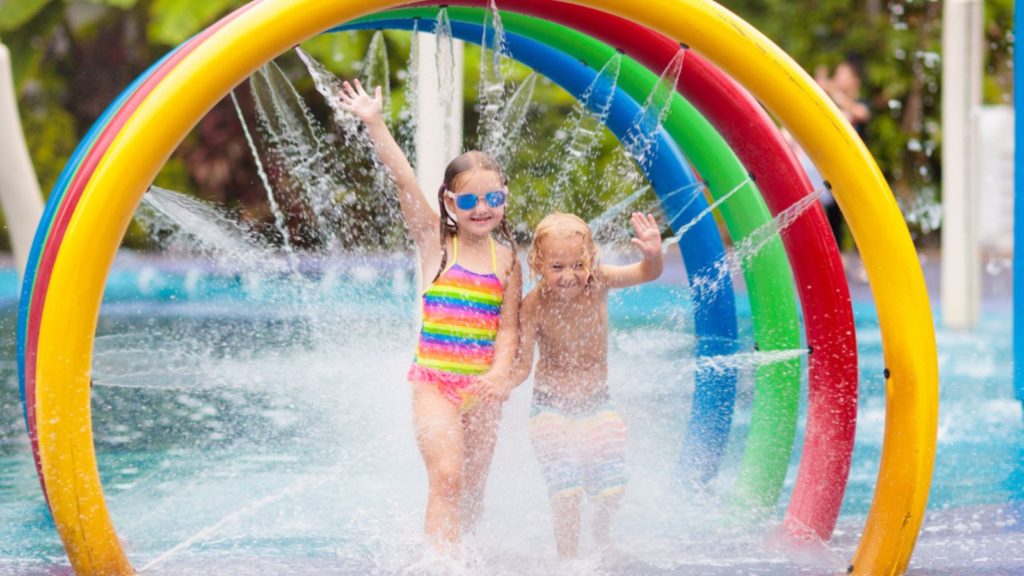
{"points": [[962, 53], [1018, 210], [439, 123]]}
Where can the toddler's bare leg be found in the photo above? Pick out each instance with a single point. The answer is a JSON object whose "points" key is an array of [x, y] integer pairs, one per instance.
{"points": [[605, 509], [566, 509]]}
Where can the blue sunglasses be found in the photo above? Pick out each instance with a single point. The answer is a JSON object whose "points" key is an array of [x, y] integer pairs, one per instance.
{"points": [[494, 198]]}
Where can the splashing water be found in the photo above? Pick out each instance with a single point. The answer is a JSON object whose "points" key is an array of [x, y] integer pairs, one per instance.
{"points": [[408, 121], [513, 120], [750, 245], [571, 155], [640, 140], [696, 219], [745, 360], [491, 87], [329, 86], [296, 154], [195, 229], [626, 170], [362, 215], [602, 227], [445, 61], [922, 209], [500, 58], [184, 224], [378, 73], [695, 191], [275, 209]]}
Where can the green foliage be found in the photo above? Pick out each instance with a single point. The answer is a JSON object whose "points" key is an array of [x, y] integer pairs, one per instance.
{"points": [[174, 175], [999, 40], [15, 13], [340, 52], [123, 4], [24, 42], [51, 137], [900, 43], [174, 21]]}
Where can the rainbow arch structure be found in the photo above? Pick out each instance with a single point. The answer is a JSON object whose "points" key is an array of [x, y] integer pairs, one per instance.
{"points": [[93, 202]]}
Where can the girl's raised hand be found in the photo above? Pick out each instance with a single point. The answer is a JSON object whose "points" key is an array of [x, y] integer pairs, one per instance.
{"points": [[358, 102], [648, 236]]}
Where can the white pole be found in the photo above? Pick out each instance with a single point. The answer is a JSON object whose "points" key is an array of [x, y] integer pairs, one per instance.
{"points": [[962, 54], [434, 118], [20, 198]]}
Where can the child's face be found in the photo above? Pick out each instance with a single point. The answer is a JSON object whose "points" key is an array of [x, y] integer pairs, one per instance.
{"points": [[482, 218], [564, 265], [846, 79]]}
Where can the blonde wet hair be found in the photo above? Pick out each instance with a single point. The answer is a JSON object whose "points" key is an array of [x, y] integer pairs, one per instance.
{"points": [[563, 225]]}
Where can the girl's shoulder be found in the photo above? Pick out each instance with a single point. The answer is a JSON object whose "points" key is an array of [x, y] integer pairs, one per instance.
{"points": [[505, 259], [503, 251]]}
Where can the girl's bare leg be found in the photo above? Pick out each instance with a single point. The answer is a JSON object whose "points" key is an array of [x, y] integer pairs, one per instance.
{"points": [[566, 510], [481, 434], [439, 436]]}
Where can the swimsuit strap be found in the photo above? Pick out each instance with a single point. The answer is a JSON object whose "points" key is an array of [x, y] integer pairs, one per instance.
{"points": [[455, 254], [494, 256]]}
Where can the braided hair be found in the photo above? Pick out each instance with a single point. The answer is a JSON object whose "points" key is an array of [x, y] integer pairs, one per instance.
{"points": [[462, 165]]}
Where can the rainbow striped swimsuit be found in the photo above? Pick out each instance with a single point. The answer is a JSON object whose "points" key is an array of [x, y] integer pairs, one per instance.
{"points": [[461, 312]]}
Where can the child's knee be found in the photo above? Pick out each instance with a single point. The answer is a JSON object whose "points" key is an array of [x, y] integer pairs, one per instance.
{"points": [[447, 474]]}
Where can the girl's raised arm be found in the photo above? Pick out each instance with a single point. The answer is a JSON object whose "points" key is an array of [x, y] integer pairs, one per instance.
{"points": [[419, 215], [648, 240]]}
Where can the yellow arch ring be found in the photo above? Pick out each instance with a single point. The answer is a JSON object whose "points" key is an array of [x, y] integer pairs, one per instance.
{"points": [[226, 58]]}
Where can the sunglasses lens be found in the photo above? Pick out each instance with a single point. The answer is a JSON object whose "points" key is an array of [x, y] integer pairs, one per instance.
{"points": [[465, 201], [495, 198]]}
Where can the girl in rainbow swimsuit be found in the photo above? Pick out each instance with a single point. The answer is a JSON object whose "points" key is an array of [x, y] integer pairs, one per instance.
{"points": [[578, 437], [470, 318]]}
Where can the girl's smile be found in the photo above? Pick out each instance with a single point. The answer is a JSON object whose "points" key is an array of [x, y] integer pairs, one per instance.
{"points": [[483, 217]]}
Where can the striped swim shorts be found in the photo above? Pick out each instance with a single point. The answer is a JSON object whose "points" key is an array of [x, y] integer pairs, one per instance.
{"points": [[580, 451]]}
